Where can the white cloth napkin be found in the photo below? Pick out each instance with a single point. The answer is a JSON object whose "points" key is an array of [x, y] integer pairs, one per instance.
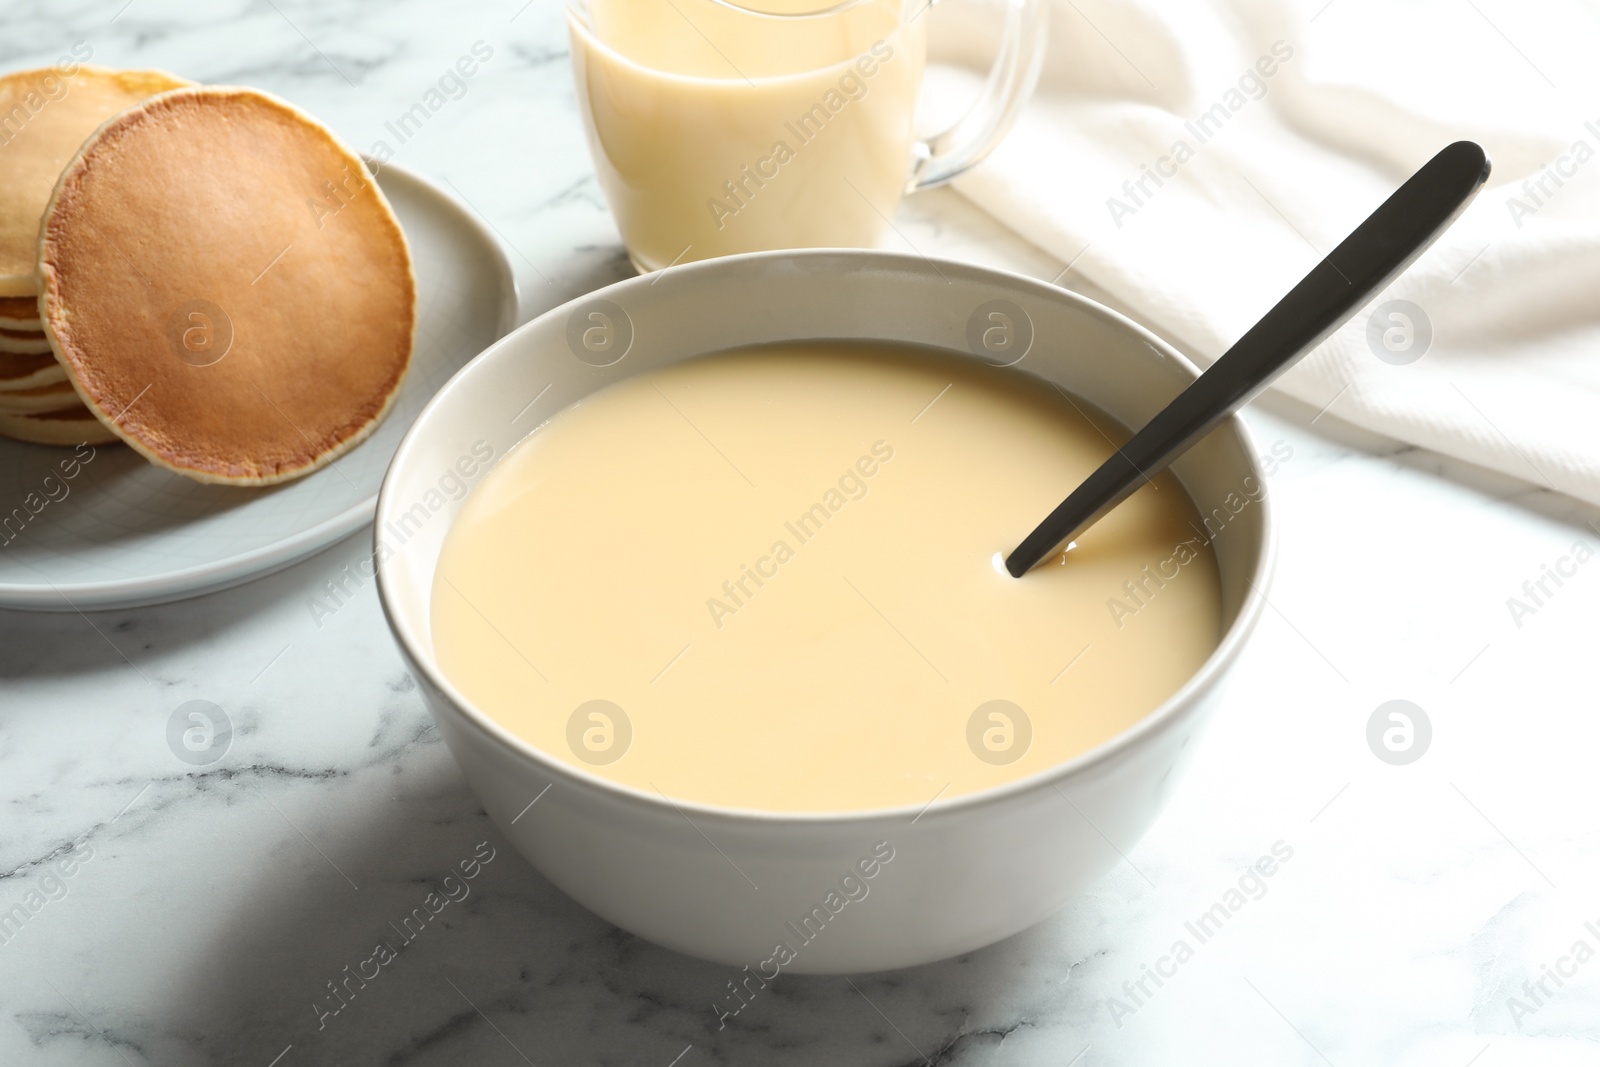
{"points": [[1313, 114]]}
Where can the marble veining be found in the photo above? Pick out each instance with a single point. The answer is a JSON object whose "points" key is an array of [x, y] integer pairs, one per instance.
{"points": [[177, 914]]}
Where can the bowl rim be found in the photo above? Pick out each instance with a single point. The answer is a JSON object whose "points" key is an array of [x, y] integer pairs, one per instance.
{"points": [[1208, 675]]}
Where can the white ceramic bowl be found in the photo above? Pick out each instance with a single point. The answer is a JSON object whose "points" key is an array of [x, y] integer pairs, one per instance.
{"points": [[732, 885]]}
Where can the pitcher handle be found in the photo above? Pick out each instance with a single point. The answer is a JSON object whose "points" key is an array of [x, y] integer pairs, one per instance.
{"points": [[943, 156]]}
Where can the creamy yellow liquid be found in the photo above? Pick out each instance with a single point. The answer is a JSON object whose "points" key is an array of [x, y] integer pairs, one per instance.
{"points": [[778, 564], [717, 131]]}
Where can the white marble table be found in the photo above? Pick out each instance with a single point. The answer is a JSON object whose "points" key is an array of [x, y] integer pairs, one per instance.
{"points": [[209, 907]]}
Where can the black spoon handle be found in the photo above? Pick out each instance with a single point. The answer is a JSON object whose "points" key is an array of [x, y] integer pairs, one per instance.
{"points": [[1369, 259]]}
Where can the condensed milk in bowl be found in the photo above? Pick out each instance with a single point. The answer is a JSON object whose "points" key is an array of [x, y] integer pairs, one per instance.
{"points": [[719, 634]]}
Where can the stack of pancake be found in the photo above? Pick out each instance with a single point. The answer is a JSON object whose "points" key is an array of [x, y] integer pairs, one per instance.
{"points": [[37, 403], [47, 114], [204, 273]]}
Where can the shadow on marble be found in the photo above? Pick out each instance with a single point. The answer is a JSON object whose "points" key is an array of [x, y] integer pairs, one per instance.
{"points": [[515, 971], [61, 645]]}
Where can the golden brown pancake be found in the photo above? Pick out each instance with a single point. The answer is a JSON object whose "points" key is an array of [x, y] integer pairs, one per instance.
{"points": [[45, 116], [29, 372], [19, 312], [58, 396], [70, 427], [24, 342], [227, 286]]}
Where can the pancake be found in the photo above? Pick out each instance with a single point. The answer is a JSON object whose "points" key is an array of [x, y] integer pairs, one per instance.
{"points": [[24, 342], [227, 286], [19, 313], [71, 427], [48, 115], [57, 396], [29, 372]]}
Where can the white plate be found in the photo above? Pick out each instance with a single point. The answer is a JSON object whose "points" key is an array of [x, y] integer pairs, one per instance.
{"points": [[127, 533]]}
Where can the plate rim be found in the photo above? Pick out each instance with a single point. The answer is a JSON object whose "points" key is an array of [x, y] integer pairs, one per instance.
{"points": [[257, 563]]}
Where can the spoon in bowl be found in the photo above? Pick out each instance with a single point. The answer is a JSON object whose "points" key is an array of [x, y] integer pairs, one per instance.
{"points": [[1372, 256]]}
